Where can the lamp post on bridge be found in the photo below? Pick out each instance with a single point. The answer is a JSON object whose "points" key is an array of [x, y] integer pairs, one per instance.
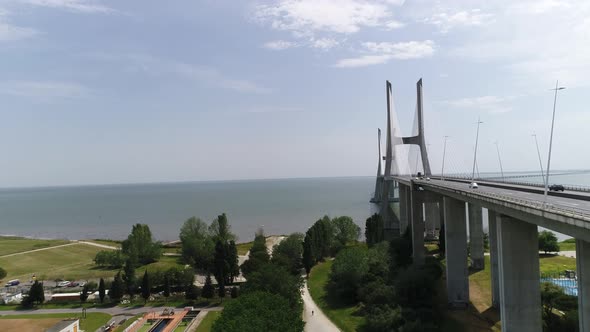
{"points": [[475, 150], [557, 88], [540, 162], [442, 171], [500, 160]]}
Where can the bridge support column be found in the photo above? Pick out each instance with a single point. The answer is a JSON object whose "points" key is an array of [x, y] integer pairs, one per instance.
{"points": [[476, 237], [583, 272], [520, 299], [494, 258], [404, 193], [417, 223], [431, 210], [456, 253]]}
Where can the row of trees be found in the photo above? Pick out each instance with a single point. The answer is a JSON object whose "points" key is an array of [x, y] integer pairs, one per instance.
{"points": [[326, 237], [271, 296]]}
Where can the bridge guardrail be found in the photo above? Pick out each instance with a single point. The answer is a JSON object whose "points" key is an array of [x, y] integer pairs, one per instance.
{"points": [[543, 206], [524, 183]]}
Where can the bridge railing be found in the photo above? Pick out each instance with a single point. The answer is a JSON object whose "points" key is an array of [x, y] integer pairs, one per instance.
{"points": [[539, 205], [523, 183]]}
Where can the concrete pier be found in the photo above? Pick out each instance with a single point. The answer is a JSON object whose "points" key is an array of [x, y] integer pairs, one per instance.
{"points": [[518, 265], [456, 253], [431, 219], [494, 259], [404, 207], [583, 272], [417, 224], [476, 237]]}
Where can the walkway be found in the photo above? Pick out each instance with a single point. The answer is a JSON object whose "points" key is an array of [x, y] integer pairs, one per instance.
{"points": [[318, 322]]}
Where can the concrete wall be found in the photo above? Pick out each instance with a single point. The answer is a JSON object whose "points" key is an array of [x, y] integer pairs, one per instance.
{"points": [[457, 273]]}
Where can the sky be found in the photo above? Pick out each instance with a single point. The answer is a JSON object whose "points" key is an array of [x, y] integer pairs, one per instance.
{"points": [[96, 92]]}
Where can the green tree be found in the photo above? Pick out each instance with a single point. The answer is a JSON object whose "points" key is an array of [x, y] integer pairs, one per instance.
{"points": [[400, 252], [220, 264], [140, 246], [349, 269], [129, 277], [208, 290], [145, 287], [192, 293], [36, 294], [374, 232], [548, 242], [84, 294], [109, 258], [233, 261], [234, 292], [259, 311], [166, 287], [117, 288], [307, 259], [275, 279], [288, 253], [550, 293], [101, 290], [197, 244], [345, 231], [2, 273], [220, 229], [258, 255]]}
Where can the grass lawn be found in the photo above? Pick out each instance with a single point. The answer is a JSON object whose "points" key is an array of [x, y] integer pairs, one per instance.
{"points": [[70, 262], [551, 263], [110, 243], [567, 245], [243, 247], [342, 316], [92, 322], [207, 322], [11, 245], [128, 322]]}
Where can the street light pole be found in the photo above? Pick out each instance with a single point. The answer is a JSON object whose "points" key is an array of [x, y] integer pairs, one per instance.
{"points": [[442, 171], [540, 162], [557, 88], [475, 151], [500, 160]]}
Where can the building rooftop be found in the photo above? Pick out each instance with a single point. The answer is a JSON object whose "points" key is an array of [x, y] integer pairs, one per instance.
{"points": [[61, 325]]}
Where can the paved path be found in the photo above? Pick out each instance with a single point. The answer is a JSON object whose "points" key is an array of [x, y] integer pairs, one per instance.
{"points": [[318, 322]]}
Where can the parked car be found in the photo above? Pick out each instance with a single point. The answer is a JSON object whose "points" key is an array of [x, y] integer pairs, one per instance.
{"points": [[13, 282], [556, 187], [73, 284], [64, 283], [473, 185]]}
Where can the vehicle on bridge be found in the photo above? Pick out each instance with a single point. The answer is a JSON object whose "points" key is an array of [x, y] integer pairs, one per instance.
{"points": [[473, 185], [556, 187]]}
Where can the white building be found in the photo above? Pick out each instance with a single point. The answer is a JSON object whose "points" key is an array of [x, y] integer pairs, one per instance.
{"points": [[66, 325]]}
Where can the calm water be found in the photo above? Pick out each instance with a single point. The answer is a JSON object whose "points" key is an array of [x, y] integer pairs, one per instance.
{"points": [[109, 211]]}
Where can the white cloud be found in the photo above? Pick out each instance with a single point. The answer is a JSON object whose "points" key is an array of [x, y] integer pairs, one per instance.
{"points": [[393, 24], [307, 16], [403, 50], [279, 45], [82, 6], [43, 90], [324, 43], [363, 61], [10, 32], [384, 52], [464, 18], [491, 104]]}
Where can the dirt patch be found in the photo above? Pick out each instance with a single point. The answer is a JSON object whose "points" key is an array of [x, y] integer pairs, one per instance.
{"points": [[27, 325]]}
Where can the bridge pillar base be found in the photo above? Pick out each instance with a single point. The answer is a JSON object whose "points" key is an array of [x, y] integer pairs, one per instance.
{"points": [[456, 253], [476, 237], [494, 258], [583, 271], [417, 229], [520, 300]]}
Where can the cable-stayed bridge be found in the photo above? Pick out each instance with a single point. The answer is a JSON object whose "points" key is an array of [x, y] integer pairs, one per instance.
{"points": [[515, 209]]}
